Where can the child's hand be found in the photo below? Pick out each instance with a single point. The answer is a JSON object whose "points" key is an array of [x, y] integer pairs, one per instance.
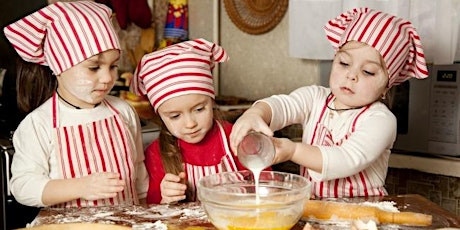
{"points": [[247, 122], [101, 185], [172, 188], [284, 149]]}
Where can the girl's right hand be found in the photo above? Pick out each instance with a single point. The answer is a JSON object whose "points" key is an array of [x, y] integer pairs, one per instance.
{"points": [[247, 122], [172, 188], [101, 185]]}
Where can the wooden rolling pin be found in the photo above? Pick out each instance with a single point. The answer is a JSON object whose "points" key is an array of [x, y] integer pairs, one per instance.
{"points": [[329, 210]]}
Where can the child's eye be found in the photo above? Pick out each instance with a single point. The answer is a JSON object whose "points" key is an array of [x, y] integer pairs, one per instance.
{"points": [[94, 68], [173, 116], [114, 67], [369, 73], [343, 63], [201, 108]]}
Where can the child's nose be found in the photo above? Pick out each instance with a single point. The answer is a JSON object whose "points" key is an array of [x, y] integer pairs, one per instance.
{"points": [[352, 75], [107, 76], [190, 121]]}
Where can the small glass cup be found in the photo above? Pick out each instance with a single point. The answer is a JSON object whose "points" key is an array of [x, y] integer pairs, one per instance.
{"points": [[256, 151]]}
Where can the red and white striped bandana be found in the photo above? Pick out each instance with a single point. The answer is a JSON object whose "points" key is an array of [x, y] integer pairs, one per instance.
{"points": [[179, 69], [63, 34], [395, 39]]}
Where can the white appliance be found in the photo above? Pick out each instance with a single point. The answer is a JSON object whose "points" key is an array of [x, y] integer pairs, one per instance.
{"points": [[428, 112]]}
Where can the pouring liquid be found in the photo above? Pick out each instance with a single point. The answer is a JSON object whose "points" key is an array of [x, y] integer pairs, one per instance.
{"points": [[255, 164], [256, 152]]}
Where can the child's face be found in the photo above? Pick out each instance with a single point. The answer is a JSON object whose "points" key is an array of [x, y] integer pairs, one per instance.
{"points": [[188, 117], [358, 76], [88, 82]]}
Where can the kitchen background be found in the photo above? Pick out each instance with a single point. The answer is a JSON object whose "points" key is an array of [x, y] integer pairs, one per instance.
{"points": [[260, 65]]}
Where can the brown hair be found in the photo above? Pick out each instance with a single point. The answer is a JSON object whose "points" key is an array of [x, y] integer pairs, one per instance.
{"points": [[171, 156], [34, 85]]}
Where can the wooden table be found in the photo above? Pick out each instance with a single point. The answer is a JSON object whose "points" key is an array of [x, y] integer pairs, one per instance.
{"points": [[405, 203], [418, 203], [191, 215]]}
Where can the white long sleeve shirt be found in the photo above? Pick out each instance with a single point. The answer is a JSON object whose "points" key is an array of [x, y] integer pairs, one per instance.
{"points": [[355, 162], [35, 158]]}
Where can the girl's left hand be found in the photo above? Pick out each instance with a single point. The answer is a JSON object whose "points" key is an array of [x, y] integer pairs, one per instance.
{"points": [[284, 149], [172, 189]]}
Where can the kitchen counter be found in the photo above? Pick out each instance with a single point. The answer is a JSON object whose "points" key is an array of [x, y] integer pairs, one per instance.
{"points": [[441, 165], [191, 215]]}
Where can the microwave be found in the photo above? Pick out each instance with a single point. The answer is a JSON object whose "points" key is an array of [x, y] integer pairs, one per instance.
{"points": [[428, 112]]}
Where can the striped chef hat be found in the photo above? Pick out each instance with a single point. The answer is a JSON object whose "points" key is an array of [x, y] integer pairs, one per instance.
{"points": [[394, 38], [183, 68], [63, 34]]}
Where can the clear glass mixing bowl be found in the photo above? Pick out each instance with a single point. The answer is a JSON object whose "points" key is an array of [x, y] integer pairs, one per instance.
{"points": [[231, 202]]}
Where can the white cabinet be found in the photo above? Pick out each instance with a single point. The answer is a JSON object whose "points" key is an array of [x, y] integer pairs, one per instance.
{"points": [[437, 23]]}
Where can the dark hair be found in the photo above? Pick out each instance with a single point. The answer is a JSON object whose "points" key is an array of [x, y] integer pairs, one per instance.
{"points": [[35, 84]]}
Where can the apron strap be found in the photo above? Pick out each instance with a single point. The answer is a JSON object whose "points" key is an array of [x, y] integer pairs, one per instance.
{"points": [[228, 153], [111, 107], [54, 110]]}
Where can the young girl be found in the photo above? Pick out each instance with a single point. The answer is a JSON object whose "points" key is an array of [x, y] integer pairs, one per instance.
{"points": [[347, 131], [192, 143], [80, 147]]}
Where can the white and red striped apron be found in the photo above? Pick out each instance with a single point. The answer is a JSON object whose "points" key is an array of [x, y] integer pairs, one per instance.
{"points": [[100, 146], [196, 172], [351, 186]]}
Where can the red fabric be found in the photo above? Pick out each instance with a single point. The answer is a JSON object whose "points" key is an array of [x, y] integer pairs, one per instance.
{"points": [[208, 152], [120, 7], [139, 13], [127, 11]]}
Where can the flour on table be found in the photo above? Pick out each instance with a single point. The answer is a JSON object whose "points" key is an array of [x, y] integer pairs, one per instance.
{"points": [[103, 214], [158, 225], [388, 206], [156, 217]]}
